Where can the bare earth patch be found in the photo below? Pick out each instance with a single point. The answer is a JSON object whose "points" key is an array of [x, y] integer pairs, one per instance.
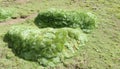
{"points": [[18, 20]]}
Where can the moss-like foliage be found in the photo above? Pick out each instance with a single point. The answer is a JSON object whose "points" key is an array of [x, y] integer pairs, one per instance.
{"points": [[47, 46], [59, 18]]}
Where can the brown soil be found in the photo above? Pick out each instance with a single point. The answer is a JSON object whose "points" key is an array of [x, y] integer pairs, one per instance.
{"points": [[18, 20]]}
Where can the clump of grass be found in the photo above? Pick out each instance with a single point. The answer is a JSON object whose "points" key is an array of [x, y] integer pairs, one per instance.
{"points": [[60, 18], [46, 46], [5, 14]]}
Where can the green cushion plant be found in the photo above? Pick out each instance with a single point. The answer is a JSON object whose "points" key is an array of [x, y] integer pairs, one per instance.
{"points": [[72, 19], [46, 45], [59, 36]]}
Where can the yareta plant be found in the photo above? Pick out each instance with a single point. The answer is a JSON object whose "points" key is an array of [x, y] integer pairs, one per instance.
{"points": [[60, 18], [46, 46], [59, 36]]}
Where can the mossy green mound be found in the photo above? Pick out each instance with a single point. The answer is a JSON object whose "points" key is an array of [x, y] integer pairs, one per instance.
{"points": [[59, 18], [60, 36], [47, 46]]}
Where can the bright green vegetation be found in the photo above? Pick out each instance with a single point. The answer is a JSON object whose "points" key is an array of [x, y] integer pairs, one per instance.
{"points": [[5, 14], [49, 46], [102, 50], [60, 18], [46, 46]]}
